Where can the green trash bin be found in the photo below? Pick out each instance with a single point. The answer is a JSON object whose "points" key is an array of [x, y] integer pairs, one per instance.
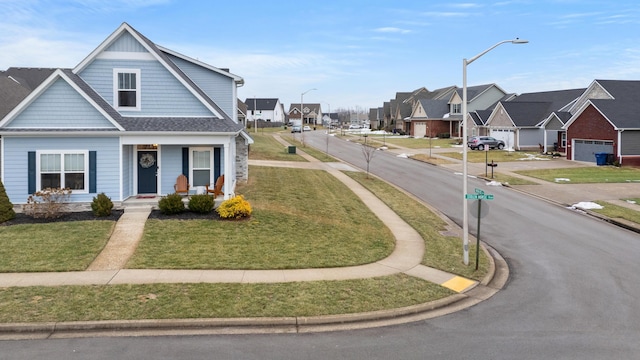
{"points": [[292, 149]]}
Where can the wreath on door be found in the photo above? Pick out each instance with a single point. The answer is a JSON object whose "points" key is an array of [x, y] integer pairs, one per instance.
{"points": [[147, 160]]}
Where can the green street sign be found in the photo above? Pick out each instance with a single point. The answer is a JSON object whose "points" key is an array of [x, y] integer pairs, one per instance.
{"points": [[479, 192], [478, 196]]}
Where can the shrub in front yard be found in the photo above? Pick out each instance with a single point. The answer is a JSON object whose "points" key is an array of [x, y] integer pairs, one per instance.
{"points": [[202, 203], [48, 203], [101, 205], [171, 204], [235, 208], [6, 207]]}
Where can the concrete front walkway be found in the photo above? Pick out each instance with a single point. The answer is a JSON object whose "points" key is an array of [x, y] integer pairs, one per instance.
{"points": [[108, 267]]}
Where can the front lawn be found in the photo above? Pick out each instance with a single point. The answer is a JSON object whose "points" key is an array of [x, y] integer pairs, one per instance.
{"points": [[498, 156], [585, 175], [265, 147], [58, 246], [301, 219]]}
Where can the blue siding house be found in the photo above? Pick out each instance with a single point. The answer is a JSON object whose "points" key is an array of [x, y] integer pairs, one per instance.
{"points": [[126, 121]]}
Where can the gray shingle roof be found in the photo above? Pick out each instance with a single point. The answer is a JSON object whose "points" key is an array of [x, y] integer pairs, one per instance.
{"points": [[17, 83], [527, 114], [261, 104], [624, 109]]}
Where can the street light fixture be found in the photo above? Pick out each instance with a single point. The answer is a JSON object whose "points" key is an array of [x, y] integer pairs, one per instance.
{"points": [[465, 207], [302, 114]]}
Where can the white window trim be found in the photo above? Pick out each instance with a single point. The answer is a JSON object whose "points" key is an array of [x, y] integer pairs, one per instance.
{"points": [[211, 161], [116, 104], [62, 153]]}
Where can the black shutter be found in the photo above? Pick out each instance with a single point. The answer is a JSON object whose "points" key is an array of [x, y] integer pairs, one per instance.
{"points": [[217, 164], [31, 172], [92, 172], [185, 162]]}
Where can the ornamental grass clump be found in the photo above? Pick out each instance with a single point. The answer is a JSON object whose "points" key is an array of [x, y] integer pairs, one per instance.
{"points": [[171, 204], [101, 205], [202, 203], [235, 208]]}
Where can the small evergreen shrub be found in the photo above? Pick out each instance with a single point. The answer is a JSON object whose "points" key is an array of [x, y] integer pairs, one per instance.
{"points": [[235, 208], [6, 207], [201, 203], [48, 203], [101, 205], [171, 204]]}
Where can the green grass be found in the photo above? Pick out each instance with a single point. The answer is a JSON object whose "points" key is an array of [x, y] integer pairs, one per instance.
{"points": [[301, 219], [318, 154], [614, 211], [442, 252], [58, 246], [586, 175], [178, 301], [507, 179], [414, 143], [265, 147], [498, 156]]}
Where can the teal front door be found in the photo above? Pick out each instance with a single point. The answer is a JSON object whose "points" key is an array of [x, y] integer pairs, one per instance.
{"points": [[147, 172]]}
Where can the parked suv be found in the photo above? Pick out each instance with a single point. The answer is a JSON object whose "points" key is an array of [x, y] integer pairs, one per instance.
{"points": [[480, 142]]}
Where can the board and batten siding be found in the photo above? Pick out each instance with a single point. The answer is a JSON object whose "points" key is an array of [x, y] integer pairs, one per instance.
{"points": [[60, 107], [161, 93], [16, 165], [215, 85], [126, 43]]}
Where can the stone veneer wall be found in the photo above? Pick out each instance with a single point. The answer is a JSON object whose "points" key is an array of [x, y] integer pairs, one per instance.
{"points": [[242, 159]]}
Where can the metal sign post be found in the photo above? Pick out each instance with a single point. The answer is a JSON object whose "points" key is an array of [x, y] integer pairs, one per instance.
{"points": [[479, 195]]}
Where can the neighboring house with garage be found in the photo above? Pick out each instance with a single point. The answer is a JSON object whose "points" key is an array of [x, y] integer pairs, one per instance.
{"points": [[531, 120], [126, 121], [605, 120], [439, 113]]}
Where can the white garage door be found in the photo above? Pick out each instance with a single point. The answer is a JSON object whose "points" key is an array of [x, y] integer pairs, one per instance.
{"points": [[585, 150], [505, 135], [419, 130]]}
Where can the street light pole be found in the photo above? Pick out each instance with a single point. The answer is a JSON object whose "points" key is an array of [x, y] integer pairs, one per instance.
{"points": [[302, 114], [465, 180]]}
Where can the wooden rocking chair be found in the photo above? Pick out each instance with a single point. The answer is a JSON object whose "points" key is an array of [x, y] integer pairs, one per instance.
{"points": [[182, 185], [217, 189]]}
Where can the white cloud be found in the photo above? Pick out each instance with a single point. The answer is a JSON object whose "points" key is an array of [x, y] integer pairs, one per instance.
{"points": [[394, 30]]}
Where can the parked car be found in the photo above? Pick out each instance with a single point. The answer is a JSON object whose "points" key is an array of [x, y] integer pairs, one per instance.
{"points": [[296, 128], [306, 128], [482, 142], [354, 126]]}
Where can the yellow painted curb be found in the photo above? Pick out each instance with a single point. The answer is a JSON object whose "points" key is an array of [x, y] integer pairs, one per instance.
{"points": [[458, 284]]}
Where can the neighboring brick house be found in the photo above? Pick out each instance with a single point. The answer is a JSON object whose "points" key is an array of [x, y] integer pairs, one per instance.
{"points": [[312, 113], [605, 120]]}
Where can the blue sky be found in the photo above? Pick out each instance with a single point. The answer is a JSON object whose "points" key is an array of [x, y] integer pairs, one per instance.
{"points": [[357, 54]]}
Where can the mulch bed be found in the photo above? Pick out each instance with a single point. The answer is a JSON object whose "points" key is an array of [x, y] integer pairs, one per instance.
{"points": [[72, 216], [115, 215]]}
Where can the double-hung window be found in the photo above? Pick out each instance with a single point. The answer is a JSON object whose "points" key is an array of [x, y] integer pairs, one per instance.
{"points": [[201, 166], [63, 169], [126, 89], [456, 108]]}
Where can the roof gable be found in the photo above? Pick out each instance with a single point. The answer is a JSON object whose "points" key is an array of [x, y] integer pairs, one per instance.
{"points": [[128, 39], [78, 86]]}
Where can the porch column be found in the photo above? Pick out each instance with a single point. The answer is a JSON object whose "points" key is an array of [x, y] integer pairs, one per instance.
{"points": [[227, 169]]}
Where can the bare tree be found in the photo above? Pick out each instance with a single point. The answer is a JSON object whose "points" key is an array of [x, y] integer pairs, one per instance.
{"points": [[368, 152]]}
